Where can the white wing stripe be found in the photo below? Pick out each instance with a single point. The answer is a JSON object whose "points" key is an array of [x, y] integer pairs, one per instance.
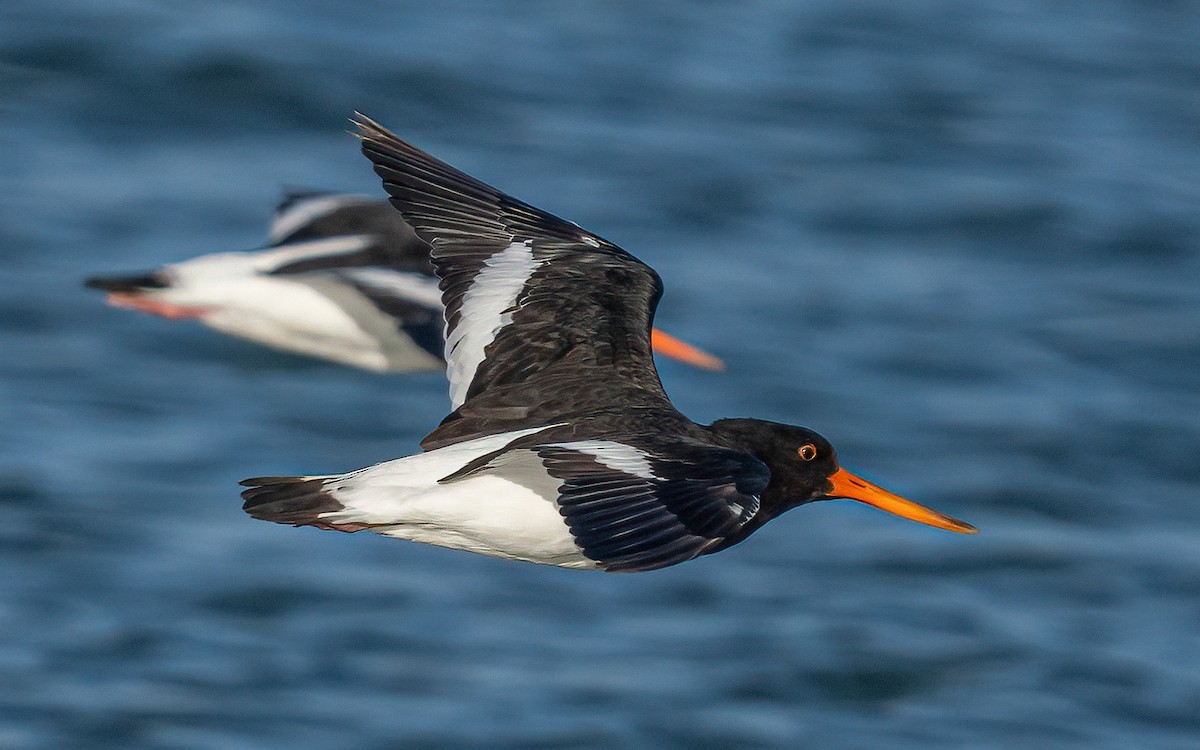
{"points": [[486, 308], [616, 456], [283, 255], [306, 211]]}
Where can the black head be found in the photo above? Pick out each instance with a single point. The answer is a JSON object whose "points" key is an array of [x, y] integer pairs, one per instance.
{"points": [[801, 461], [804, 468]]}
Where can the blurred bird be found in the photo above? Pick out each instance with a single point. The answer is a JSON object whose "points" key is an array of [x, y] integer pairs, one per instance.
{"points": [[342, 278], [562, 447]]}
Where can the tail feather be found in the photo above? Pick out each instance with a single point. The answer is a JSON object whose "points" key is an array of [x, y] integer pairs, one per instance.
{"points": [[298, 501]]}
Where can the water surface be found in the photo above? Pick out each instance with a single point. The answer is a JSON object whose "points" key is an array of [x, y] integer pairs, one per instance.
{"points": [[959, 239]]}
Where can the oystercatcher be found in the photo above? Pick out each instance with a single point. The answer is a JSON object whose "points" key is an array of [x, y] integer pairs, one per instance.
{"points": [[342, 278], [562, 448]]}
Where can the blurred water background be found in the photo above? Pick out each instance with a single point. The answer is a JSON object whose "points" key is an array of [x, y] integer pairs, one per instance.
{"points": [[961, 239]]}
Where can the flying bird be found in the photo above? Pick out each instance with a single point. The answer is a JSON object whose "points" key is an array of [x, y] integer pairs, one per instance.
{"points": [[562, 447], [342, 278]]}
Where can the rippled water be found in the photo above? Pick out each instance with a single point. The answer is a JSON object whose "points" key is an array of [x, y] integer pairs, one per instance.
{"points": [[960, 239]]}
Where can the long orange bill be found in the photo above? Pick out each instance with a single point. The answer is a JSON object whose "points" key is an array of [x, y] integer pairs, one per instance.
{"points": [[849, 486], [668, 345], [154, 307]]}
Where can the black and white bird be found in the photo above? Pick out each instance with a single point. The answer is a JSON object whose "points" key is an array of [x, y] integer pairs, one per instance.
{"points": [[342, 277], [563, 448]]}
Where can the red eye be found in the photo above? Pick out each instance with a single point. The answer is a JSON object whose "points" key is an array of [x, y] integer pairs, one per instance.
{"points": [[807, 452]]}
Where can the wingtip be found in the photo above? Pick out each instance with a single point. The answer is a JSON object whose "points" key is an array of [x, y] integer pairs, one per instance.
{"points": [[357, 127], [362, 125], [368, 129]]}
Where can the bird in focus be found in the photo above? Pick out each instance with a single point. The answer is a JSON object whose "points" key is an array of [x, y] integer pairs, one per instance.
{"points": [[342, 278], [562, 447]]}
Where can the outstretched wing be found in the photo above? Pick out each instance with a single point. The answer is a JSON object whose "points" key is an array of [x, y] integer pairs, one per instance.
{"points": [[303, 216], [634, 505], [544, 319]]}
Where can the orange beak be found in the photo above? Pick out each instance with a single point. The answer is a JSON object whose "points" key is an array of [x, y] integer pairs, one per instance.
{"points": [[849, 486], [154, 307], [669, 346]]}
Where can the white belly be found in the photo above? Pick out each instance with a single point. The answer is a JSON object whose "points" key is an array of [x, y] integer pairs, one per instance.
{"points": [[484, 513]]}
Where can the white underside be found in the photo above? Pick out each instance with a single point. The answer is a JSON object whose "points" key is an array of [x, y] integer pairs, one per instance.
{"points": [[483, 513], [314, 313], [295, 317]]}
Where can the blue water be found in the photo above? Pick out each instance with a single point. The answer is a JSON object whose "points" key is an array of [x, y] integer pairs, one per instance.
{"points": [[961, 239]]}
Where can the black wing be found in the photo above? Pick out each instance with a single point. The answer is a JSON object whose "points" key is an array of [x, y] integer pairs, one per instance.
{"points": [[545, 320], [633, 508]]}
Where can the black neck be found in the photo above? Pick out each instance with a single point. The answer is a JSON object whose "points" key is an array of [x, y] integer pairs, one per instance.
{"points": [[758, 438]]}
